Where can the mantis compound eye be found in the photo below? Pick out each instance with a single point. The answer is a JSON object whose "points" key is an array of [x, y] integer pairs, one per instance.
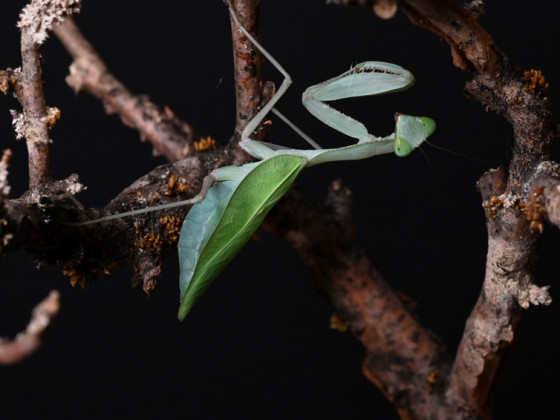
{"points": [[410, 132], [402, 147], [428, 125]]}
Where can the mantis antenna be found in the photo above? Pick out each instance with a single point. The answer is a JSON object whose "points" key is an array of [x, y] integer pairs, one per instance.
{"points": [[234, 200]]}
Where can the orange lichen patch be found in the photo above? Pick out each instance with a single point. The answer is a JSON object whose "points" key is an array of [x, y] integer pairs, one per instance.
{"points": [[517, 100], [86, 267], [8, 80], [172, 227], [181, 187], [6, 157], [494, 204], [149, 286], [150, 241], [535, 80], [535, 210], [336, 323], [75, 277], [5, 85], [154, 242], [205, 143], [171, 182], [52, 117], [174, 185], [155, 199], [433, 380]]}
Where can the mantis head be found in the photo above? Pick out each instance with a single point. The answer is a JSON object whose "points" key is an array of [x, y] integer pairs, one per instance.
{"points": [[410, 132]]}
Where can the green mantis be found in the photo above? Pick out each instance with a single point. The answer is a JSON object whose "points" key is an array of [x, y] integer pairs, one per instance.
{"points": [[233, 201]]}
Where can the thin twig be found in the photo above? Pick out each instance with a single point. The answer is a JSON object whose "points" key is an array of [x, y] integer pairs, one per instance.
{"points": [[36, 20], [169, 135], [32, 98], [30, 340]]}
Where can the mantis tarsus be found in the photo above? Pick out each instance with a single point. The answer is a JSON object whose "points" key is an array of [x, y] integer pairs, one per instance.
{"points": [[233, 201]]}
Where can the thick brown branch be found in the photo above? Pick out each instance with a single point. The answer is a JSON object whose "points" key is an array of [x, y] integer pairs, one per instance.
{"points": [[30, 340], [507, 287], [402, 355], [169, 135], [471, 46], [543, 200]]}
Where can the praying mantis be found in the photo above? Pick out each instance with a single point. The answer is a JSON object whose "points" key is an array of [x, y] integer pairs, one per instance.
{"points": [[233, 201]]}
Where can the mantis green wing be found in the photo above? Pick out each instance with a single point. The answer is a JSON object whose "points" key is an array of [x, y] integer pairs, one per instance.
{"points": [[204, 254], [198, 227]]}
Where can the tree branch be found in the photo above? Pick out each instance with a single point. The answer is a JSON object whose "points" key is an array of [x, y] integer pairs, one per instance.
{"points": [[30, 340], [401, 354], [507, 288], [169, 135], [36, 19]]}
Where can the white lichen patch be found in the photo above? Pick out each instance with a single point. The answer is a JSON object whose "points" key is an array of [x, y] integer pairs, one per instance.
{"points": [[7, 238], [548, 168], [25, 127], [510, 200], [385, 9], [4, 163], [83, 69], [530, 294], [73, 186], [53, 115], [39, 16], [18, 123]]}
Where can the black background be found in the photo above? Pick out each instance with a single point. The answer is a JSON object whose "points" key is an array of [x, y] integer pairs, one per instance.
{"points": [[258, 344]]}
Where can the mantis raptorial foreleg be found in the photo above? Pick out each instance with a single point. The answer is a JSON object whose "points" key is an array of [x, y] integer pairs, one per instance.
{"points": [[234, 200]]}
